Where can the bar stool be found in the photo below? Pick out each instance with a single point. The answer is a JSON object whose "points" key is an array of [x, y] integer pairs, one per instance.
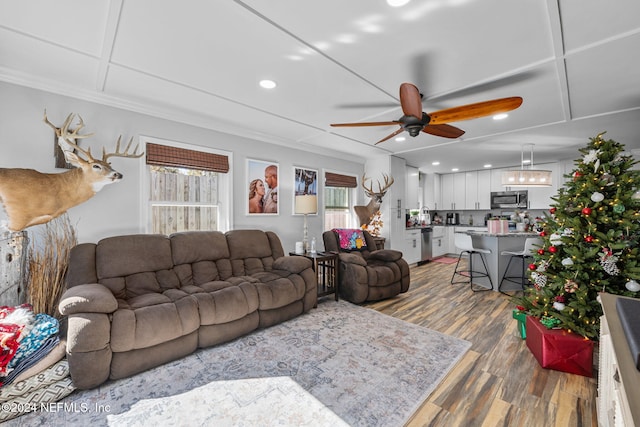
{"points": [[530, 246], [463, 241]]}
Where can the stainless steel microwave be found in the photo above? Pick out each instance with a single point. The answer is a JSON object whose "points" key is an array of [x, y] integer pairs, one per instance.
{"points": [[510, 199]]}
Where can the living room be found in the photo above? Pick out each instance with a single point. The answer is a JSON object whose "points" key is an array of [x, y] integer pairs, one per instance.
{"points": [[97, 71]]}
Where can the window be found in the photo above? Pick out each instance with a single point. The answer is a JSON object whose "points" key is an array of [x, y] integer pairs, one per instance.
{"points": [[188, 190], [338, 200], [183, 199]]}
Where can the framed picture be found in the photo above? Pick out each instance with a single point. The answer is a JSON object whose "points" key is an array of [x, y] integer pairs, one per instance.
{"points": [[262, 187], [305, 183]]}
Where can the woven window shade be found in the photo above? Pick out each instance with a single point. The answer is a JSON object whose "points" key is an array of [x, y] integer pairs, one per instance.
{"points": [[337, 180], [162, 155]]}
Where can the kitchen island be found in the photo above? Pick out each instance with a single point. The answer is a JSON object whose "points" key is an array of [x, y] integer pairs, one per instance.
{"points": [[496, 263]]}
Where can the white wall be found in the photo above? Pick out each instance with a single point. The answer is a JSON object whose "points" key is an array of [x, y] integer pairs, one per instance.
{"points": [[26, 142]]}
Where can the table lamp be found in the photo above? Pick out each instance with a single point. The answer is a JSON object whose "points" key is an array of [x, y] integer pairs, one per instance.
{"points": [[306, 204]]}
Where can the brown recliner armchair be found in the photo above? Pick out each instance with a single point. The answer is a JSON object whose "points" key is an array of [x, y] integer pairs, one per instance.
{"points": [[366, 274]]}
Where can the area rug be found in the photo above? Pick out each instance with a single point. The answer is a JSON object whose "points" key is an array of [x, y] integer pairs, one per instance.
{"points": [[339, 364], [446, 260]]}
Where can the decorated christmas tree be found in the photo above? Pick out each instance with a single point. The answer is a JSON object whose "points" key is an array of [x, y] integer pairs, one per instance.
{"points": [[590, 241]]}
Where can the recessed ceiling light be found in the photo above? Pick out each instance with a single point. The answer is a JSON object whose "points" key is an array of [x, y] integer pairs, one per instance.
{"points": [[454, 169], [267, 84], [487, 165], [435, 163], [397, 3], [400, 139], [501, 116]]}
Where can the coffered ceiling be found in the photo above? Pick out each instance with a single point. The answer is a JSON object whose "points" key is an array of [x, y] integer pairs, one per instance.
{"points": [[574, 62]]}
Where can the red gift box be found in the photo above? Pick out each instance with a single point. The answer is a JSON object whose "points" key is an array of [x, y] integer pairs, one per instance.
{"points": [[560, 350]]}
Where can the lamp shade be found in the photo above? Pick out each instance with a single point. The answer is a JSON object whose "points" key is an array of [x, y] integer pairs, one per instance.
{"points": [[526, 178], [306, 204]]}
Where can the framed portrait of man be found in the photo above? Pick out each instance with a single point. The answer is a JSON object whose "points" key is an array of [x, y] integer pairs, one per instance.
{"points": [[262, 187]]}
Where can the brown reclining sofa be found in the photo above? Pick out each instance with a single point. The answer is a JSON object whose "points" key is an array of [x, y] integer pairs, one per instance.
{"points": [[137, 301]]}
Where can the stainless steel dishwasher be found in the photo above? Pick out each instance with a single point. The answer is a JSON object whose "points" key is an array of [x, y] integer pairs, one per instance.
{"points": [[425, 253]]}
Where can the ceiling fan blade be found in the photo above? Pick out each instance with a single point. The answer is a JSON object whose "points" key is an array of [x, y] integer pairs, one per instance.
{"points": [[445, 131], [394, 122], [486, 86], [410, 100], [390, 136], [473, 111]]}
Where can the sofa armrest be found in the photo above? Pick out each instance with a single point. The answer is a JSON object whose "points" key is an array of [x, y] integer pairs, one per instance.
{"points": [[292, 264], [388, 255], [88, 298], [352, 258]]}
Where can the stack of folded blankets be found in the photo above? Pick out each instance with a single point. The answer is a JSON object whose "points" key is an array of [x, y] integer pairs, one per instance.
{"points": [[33, 369]]}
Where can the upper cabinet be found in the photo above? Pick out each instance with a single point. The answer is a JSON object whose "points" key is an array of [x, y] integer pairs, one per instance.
{"points": [[432, 198], [478, 190], [453, 191], [412, 185]]}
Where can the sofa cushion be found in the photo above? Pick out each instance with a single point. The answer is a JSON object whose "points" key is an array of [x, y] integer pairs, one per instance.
{"points": [[151, 319], [229, 302], [250, 252], [191, 247], [118, 257]]}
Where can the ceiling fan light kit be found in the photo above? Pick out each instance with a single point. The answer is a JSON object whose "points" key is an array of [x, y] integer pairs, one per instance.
{"points": [[527, 177]]}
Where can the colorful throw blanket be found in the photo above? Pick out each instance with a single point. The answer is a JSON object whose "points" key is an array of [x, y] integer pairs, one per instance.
{"points": [[350, 238]]}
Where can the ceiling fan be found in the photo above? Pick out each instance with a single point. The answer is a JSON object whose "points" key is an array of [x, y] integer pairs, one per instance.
{"points": [[415, 120]]}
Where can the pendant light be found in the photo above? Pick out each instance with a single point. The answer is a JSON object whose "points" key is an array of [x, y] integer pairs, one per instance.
{"points": [[526, 177]]}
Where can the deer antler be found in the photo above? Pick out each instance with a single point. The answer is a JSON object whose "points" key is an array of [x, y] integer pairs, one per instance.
{"points": [[63, 131], [387, 184], [381, 189], [125, 153]]}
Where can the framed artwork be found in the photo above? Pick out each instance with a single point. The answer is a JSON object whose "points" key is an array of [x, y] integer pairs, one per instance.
{"points": [[262, 187], [305, 182]]}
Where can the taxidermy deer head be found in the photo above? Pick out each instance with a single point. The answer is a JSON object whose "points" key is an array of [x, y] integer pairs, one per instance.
{"points": [[31, 197], [366, 213]]}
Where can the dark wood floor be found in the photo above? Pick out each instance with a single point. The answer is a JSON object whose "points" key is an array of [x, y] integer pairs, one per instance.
{"points": [[498, 382]]}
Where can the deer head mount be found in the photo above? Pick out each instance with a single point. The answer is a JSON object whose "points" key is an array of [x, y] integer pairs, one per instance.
{"points": [[31, 197], [366, 213]]}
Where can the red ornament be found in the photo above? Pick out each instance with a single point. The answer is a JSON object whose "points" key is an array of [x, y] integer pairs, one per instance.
{"points": [[586, 211], [577, 175], [552, 210], [543, 233], [540, 251], [588, 239], [553, 249], [532, 267]]}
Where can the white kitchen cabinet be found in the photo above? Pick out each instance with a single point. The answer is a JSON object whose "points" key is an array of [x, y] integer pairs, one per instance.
{"points": [[439, 242], [432, 192], [478, 190], [413, 246], [453, 191], [412, 183]]}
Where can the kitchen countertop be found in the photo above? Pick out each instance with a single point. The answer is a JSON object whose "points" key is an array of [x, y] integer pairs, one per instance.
{"points": [[509, 234], [418, 227]]}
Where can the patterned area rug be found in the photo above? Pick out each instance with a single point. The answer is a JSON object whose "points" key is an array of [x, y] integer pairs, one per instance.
{"points": [[340, 364]]}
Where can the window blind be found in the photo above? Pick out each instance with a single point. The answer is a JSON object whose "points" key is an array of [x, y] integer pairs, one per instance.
{"points": [[338, 180], [163, 155]]}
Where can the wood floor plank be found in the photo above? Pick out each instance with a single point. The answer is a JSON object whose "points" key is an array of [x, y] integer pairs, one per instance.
{"points": [[498, 382]]}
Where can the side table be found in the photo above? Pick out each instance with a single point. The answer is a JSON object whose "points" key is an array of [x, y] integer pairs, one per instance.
{"points": [[379, 242], [325, 264]]}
